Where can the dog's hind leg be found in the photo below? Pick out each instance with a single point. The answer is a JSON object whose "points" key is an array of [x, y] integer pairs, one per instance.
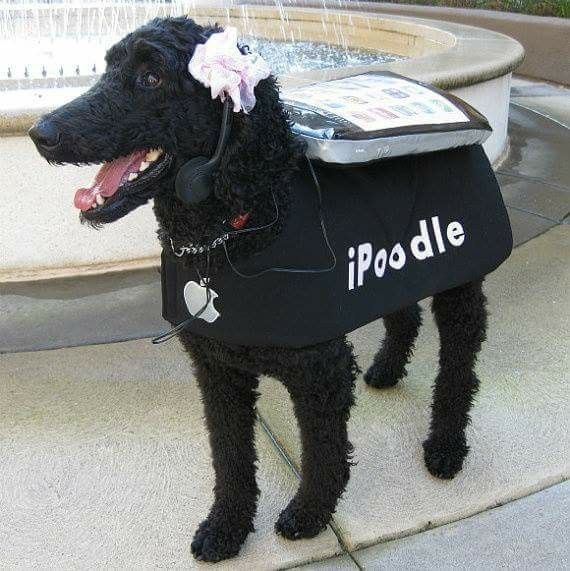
{"points": [[461, 318], [229, 397], [321, 387], [389, 365]]}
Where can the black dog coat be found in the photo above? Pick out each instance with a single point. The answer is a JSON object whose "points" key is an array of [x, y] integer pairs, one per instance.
{"points": [[402, 229]]}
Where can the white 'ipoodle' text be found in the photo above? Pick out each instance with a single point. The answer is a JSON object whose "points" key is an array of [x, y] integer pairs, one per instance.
{"points": [[364, 261]]}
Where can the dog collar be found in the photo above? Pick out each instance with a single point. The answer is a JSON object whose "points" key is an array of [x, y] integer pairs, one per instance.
{"points": [[236, 223], [193, 249]]}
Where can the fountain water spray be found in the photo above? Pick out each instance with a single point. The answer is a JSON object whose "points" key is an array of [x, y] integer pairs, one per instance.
{"points": [[63, 43]]}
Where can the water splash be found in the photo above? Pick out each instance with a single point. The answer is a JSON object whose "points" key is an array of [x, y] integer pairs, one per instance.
{"points": [[62, 35], [64, 41]]}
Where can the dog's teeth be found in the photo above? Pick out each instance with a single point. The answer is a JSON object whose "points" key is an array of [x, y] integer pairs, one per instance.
{"points": [[133, 176], [144, 166], [152, 155], [94, 206], [100, 200]]}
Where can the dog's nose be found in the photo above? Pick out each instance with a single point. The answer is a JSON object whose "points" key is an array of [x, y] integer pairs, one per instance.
{"points": [[45, 135]]}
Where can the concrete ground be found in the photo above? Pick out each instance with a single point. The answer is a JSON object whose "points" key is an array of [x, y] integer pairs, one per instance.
{"points": [[105, 461]]}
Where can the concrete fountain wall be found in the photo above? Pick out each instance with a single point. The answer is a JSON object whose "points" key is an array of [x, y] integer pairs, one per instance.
{"points": [[40, 234]]}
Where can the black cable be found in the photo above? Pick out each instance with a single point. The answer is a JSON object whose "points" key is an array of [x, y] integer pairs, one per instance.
{"points": [[227, 117], [330, 268], [262, 227], [175, 330]]}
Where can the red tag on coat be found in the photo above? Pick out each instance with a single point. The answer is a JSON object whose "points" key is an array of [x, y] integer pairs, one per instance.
{"points": [[239, 220]]}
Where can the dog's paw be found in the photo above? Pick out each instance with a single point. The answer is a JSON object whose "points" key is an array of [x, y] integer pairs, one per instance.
{"points": [[296, 522], [444, 458], [380, 376], [215, 540]]}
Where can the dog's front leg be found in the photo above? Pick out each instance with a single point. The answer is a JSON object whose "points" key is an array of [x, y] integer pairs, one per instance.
{"points": [[322, 394], [229, 397]]}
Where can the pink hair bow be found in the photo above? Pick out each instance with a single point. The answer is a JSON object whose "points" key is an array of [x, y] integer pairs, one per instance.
{"points": [[220, 65]]}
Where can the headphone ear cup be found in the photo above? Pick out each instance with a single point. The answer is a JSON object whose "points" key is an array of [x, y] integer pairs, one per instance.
{"points": [[194, 180]]}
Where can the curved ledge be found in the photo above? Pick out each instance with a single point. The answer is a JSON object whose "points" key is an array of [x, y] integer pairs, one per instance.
{"points": [[446, 54], [544, 39]]}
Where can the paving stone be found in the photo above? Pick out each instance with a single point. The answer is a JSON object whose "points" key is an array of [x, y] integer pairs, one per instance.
{"points": [[530, 533], [526, 226], [519, 436], [521, 81], [554, 107], [105, 464], [538, 148], [536, 89], [82, 310], [535, 197], [341, 563]]}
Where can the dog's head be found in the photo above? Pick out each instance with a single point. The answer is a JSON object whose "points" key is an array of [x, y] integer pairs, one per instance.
{"points": [[147, 116]]}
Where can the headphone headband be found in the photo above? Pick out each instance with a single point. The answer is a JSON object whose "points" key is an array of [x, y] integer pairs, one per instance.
{"points": [[225, 131], [194, 179]]}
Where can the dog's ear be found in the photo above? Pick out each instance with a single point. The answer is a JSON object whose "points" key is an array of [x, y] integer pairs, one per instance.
{"points": [[261, 153]]}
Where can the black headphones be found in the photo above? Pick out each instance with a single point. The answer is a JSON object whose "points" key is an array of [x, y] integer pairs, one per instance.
{"points": [[194, 180]]}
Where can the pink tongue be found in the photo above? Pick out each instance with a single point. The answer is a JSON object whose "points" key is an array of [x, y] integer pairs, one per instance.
{"points": [[108, 179]]}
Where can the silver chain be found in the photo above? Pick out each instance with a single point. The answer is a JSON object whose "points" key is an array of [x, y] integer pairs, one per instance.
{"points": [[193, 249]]}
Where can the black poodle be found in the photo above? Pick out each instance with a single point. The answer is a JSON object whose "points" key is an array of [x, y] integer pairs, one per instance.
{"points": [[150, 113]]}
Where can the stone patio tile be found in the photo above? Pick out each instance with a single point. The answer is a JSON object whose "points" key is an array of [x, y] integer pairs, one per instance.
{"points": [[341, 563], [532, 88], [526, 226], [520, 81], [530, 533], [519, 435], [535, 197], [538, 148], [105, 463], [81, 310], [554, 107]]}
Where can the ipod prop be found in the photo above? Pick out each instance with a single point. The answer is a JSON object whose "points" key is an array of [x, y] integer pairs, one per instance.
{"points": [[379, 115]]}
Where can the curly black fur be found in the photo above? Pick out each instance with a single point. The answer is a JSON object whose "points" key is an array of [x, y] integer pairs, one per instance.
{"points": [[118, 116], [389, 364]]}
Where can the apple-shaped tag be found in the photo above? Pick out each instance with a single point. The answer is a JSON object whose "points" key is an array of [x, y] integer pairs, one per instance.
{"points": [[196, 297]]}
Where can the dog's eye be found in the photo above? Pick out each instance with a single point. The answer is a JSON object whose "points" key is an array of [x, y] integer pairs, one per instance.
{"points": [[150, 79]]}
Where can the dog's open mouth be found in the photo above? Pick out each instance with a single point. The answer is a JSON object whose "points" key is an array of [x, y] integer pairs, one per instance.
{"points": [[121, 179]]}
